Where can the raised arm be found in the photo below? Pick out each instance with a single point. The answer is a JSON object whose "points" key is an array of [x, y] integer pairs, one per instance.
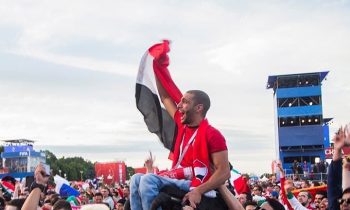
{"points": [[283, 182], [149, 163], [230, 200], [32, 201], [296, 205], [167, 101], [334, 179]]}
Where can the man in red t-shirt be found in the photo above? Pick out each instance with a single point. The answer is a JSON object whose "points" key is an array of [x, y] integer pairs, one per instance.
{"points": [[193, 128], [188, 115]]}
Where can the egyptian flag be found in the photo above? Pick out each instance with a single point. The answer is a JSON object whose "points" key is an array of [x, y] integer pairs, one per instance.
{"points": [[154, 65], [239, 182], [8, 186]]}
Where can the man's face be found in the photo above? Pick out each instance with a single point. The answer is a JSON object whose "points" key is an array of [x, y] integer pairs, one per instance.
{"points": [[318, 199], [186, 108], [346, 202], [273, 179], [324, 204], [126, 192], [276, 188], [269, 189], [304, 184], [303, 198], [98, 199], [104, 192], [256, 191], [242, 198], [120, 206]]}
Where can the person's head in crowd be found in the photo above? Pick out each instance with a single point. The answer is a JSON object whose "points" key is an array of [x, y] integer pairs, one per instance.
{"points": [[319, 195], [105, 192], [305, 184], [126, 191], [250, 205], [115, 193], [272, 204], [62, 205], [324, 204], [46, 205], [83, 198], [257, 190], [344, 201], [24, 193], [315, 184], [244, 197], [54, 198], [15, 204], [98, 198], [277, 188], [273, 179], [305, 198], [120, 204], [269, 188]]}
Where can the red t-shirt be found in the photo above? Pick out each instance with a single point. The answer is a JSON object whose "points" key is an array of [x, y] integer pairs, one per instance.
{"points": [[216, 141]]}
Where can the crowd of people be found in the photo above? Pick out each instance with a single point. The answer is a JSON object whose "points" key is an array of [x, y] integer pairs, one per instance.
{"points": [[170, 190], [43, 195], [276, 193]]}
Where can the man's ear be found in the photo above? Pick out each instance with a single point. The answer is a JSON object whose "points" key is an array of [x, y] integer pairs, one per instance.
{"points": [[200, 107]]}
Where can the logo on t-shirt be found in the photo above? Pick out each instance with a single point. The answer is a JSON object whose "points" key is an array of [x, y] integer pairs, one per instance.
{"points": [[200, 170]]}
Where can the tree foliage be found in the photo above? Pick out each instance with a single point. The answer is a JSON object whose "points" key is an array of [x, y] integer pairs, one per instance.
{"points": [[73, 168]]}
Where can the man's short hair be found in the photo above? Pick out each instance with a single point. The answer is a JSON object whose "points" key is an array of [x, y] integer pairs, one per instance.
{"points": [[259, 188], [16, 202], [200, 97], [323, 193], [250, 203], [62, 204], [98, 194], [248, 196], [276, 205], [347, 190], [122, 201], [308, 193]]}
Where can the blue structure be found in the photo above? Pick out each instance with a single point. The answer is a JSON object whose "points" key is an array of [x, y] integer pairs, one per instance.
{"points": [[301, 132], [19, 159]]}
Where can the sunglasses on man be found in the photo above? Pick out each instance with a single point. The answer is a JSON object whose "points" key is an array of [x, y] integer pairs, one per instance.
{"points": [[342, 201]]}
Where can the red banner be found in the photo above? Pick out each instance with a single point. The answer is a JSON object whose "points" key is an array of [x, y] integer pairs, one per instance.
{"points": [[329, 152], [111, 173]]}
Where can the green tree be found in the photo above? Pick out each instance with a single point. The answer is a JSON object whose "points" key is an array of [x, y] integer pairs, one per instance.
{"points": [[75, 168], [129, 172]]}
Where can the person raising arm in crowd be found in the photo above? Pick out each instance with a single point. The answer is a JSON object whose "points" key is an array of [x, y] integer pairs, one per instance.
{"points": [[190, 117]]}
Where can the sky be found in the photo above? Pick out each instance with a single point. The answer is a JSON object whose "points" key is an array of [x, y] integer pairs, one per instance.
{"points": [[68, 70]]}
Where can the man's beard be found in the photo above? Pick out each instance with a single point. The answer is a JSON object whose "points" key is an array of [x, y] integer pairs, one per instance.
{"points": [[304, 203], [188, 119]]}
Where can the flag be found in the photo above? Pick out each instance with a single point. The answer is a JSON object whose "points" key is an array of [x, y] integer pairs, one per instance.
{"points": [[74, 201], [154, 65], [239, 182], [63, 187], [8, 185]]}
